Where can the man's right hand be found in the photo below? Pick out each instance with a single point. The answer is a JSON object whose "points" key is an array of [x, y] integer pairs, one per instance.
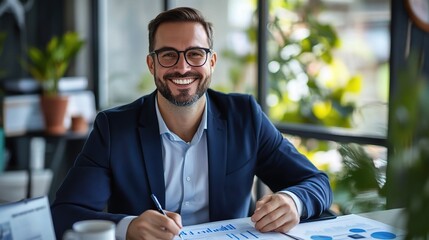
{"points": [[153, 225]]}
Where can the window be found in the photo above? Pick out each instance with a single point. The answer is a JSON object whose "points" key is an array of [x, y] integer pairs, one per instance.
{"points": [[124, 75], [328, 63], [327, 68]]}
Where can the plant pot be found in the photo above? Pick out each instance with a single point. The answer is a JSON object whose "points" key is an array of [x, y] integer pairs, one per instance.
{"points": [[54, 110], [79, 124]]}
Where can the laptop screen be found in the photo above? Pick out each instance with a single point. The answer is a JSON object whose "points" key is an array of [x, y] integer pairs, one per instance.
{"points": [[27, 219]]}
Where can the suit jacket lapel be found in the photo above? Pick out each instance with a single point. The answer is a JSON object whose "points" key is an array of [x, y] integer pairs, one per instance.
{"points": [[216, 141], [151, 148], [217, 146]]}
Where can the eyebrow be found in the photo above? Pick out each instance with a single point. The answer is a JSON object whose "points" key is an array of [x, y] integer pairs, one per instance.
{"points": [[172, 48]]}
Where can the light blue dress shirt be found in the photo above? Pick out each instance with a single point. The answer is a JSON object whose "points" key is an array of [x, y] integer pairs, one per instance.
{"points": [[185, 172]]}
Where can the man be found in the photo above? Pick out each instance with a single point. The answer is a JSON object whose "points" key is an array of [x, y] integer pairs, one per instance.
{"points": [[196, 149]]}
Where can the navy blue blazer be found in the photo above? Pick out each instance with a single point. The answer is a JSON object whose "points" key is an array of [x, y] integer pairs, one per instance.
{"points": [[121, 165]]}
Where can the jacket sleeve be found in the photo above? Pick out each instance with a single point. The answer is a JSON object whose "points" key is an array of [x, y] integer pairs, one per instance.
{"points": [[86, 188], [282, 167]]}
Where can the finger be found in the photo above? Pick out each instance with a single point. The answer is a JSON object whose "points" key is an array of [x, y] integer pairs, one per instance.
{"points": [[152, 225], [277, 222], [278, 214], [288, 225], [146, 226], [176, 218], [168, 224], [163, 234], [270, 221], [262, 201], [263, 207], [159, 226], [156, 233], [275, 202]]}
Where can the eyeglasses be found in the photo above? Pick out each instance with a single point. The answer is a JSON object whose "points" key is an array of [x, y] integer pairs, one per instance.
{"points": [[195, 57]]}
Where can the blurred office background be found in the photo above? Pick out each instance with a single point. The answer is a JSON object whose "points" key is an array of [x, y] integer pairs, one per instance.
{"points": [[323, 70]]}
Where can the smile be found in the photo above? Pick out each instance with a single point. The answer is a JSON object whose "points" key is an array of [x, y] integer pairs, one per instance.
{"points": [[183, 81]]}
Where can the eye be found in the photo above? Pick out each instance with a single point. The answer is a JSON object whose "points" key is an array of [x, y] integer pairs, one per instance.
{"points": [[168, 54], [195, 53]]}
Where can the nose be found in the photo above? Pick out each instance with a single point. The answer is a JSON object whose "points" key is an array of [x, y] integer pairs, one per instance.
{"points": [[182, 65]]}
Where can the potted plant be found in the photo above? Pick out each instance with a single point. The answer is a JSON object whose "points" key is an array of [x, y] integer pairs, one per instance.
{"points": [[48, 66]]}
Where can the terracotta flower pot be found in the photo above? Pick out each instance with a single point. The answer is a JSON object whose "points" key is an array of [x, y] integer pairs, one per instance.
{"points": [[54, 110], [79, 124]]}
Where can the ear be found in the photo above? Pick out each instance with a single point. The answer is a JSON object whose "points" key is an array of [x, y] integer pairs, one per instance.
{"points": [[150, 64], [213, 60]]}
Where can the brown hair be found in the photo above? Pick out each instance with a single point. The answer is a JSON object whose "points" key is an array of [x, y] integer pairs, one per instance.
{"points": [[181, 14]]}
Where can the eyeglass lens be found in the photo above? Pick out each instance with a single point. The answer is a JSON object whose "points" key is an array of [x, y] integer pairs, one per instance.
{"points": [[195, 57]]}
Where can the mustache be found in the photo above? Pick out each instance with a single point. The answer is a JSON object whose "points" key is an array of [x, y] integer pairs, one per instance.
{"points": [[185, 75]]}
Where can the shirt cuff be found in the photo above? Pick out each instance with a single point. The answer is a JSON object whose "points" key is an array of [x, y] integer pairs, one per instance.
{"points": [[298, 203], [122, 227]]}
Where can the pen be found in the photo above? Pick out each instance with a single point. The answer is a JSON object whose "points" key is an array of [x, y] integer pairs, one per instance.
{"points": [[158, 206]]}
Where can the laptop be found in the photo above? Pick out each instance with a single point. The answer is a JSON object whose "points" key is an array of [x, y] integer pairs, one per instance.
{"points": [[26, 219]]}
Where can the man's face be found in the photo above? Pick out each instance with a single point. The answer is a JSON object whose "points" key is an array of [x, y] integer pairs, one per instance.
{"points": [[181, 84]]}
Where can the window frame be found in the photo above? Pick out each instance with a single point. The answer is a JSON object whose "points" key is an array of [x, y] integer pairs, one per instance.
{"points": [[336, 134]]}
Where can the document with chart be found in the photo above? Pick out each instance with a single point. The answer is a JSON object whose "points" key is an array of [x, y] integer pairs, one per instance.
{"points": [[237, 229], [350, 227]]}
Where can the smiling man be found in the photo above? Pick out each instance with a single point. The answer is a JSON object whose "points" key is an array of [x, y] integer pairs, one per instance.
{"points": [[182, 80], [197, 150]]}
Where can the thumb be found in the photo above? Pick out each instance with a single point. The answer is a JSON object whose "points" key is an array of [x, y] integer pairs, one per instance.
{"points": [[176, 218]]}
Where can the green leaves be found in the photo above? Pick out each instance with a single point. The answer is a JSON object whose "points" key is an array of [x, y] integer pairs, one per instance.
{"points": [[312, 83], [50, 64], [359, 183], [408, 182]]}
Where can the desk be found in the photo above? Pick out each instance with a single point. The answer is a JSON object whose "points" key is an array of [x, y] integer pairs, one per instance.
{"points": [[354, 226], [392, 217], [387, 224]]}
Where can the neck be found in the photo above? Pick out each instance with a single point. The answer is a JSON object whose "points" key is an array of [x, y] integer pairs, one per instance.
{"points": [[182, 120]]}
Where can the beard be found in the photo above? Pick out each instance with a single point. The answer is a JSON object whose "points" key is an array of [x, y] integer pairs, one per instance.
{"points": [[184, 98]]}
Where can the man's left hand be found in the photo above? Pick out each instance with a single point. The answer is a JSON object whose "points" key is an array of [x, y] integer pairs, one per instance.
{"points": [[275, 212]]}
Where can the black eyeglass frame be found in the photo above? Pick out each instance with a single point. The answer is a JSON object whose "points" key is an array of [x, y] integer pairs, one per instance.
{"points": [[156, 52]]}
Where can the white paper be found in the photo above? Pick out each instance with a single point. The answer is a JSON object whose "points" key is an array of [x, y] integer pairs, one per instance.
{"points": [[236, 229], [27, 219], [350, 227]]}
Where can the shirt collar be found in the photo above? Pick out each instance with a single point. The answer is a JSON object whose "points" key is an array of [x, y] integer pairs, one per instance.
{"points": [[163, 129]]}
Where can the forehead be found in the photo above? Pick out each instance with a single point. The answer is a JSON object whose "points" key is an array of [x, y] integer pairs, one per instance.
{"points": [[181, 35]]}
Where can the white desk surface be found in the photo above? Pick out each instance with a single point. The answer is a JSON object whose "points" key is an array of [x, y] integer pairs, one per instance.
{"points": [[392, 217]]}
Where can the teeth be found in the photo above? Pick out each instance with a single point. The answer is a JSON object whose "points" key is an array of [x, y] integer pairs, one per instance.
{"points": [[182, 81]]}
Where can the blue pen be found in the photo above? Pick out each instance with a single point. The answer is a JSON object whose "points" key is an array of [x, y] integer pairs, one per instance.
{"points": [[158, 206]]}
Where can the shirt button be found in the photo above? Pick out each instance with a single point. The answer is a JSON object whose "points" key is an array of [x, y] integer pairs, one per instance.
{"points": [[188, 179], [186, 203]]}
